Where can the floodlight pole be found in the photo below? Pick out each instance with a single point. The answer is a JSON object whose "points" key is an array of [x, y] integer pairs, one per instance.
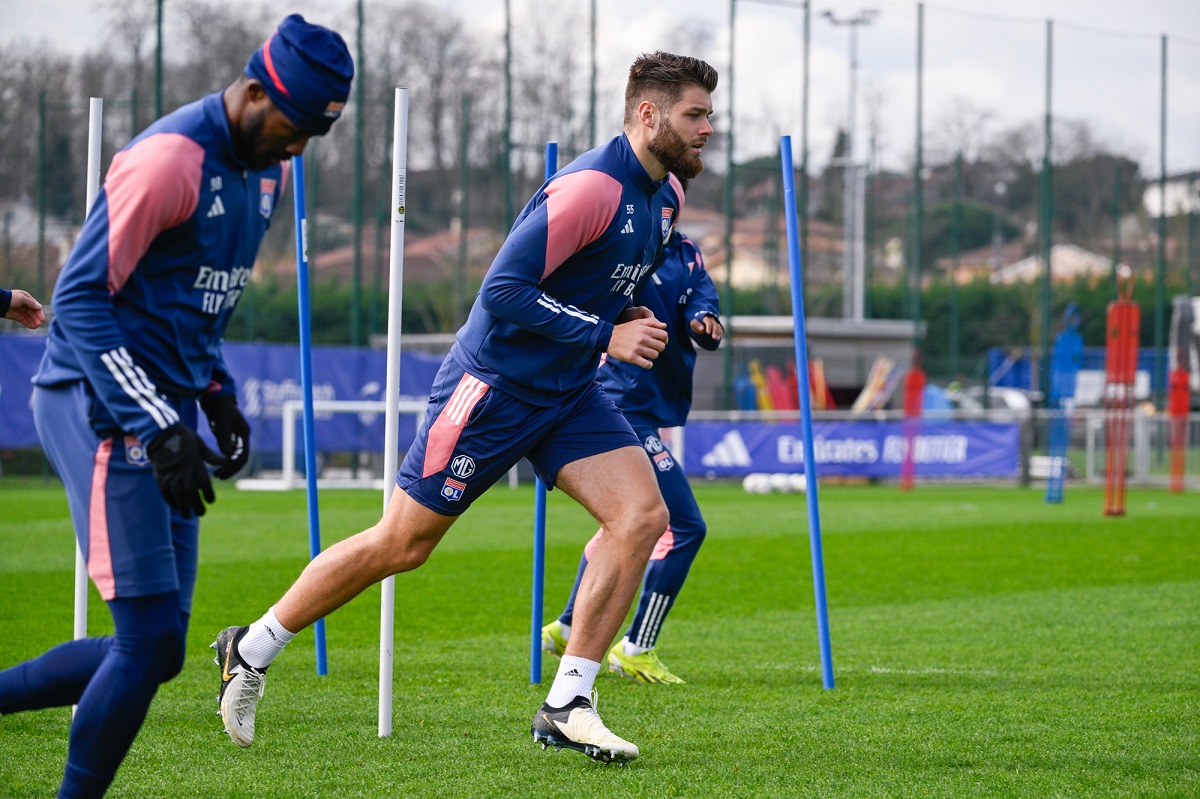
{"points": [[158, 60], [1160, 300], [727, 302], [851, 284], [1047, 219]]}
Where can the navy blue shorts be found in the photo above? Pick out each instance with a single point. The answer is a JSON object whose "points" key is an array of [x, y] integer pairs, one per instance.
{"points": [[133, 542], [474, 433]]}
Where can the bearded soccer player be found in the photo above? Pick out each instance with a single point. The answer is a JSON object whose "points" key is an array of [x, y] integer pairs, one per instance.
{"points": [[520, 382], [135, 345], [681, 293]]}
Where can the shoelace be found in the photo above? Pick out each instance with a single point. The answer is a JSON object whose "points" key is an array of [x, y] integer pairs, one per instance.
{"points": [[252, 684], [597, 732], [651, 657]]}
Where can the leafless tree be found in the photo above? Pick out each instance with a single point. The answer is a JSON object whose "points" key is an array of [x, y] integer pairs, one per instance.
{"points": [[550, 91], [132, 26], [29, 72], [963, 128], [213, 39]]}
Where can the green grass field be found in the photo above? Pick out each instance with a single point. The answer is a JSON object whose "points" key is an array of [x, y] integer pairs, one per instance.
{"points": [[985, 644]]}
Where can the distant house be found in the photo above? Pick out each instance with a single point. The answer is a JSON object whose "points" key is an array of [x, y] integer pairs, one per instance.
{"points": [[1182, 195], [1067, 263]]}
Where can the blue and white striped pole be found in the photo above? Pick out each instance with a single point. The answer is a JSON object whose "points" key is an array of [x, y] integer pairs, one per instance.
{"points": [[310, 442], [539, 521], [810, 461]]}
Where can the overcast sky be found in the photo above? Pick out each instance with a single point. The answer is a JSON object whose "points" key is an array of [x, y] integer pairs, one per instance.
{"points": [[1106, 61]]}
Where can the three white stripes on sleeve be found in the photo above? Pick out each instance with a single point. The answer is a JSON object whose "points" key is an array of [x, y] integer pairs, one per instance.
{"points": [[138, 386]]}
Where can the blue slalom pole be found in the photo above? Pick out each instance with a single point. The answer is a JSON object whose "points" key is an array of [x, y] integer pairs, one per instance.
{"points": [[810, 461], [1064, 369], [539, 521], [306, 383]]}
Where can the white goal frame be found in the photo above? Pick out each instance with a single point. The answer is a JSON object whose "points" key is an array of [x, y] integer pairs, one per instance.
{"points": [[293, 411]]}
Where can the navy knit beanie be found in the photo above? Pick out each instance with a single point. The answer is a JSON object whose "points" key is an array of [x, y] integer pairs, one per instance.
{"points": [[306, 70]]}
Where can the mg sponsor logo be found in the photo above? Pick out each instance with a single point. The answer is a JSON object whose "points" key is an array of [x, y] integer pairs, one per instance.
{"points": [[462, 467]]}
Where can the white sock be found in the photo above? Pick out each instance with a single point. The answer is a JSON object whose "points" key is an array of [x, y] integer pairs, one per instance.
{"points": [[566, 631], [633, 649], [575, 678], [265, 639]]}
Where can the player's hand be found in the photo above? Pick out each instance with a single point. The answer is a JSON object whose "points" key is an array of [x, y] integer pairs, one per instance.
{"points": [[708, 325], [25, 309], [178, 457], [635, 312], [231, 430], [639, 340]]}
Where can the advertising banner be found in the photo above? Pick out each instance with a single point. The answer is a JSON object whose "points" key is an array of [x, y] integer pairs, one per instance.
{"points": [[267, 375], [864, 449]]}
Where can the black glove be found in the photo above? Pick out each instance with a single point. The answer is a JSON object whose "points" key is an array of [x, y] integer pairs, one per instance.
{"points": [[178, 457], [231, 430]]}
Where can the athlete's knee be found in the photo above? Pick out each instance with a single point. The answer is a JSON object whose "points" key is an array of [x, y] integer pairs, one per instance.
{"points": [[656, 517], [175, 666], [409, 556], [151, 634], [170, 651], [692, 534], [159, 650], [398, 547], [643, 521]]}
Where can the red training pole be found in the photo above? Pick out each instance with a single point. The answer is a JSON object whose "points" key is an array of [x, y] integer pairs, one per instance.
{"points": [[1120, 366], [1177, 407], [914, 390]]}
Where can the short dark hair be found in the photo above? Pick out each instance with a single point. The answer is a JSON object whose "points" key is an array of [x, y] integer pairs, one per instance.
{"points": [[661, 78]]}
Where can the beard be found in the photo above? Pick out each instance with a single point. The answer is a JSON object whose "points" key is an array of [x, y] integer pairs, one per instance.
{"points": [[246, 138], [249, 144], [674, 153]]}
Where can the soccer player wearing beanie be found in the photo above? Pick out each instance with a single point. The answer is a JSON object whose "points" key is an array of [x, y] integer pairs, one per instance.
{"points": [[134, 347]]}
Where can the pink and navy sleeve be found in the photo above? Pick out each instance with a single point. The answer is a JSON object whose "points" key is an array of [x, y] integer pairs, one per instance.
{"points": [[577, 210], [150, 187], [703, 298]]}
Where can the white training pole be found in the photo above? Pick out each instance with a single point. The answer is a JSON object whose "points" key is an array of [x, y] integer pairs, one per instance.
{"points": [[95, 127], [387, 610]]}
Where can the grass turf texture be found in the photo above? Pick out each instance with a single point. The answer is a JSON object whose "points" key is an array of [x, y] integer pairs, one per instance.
{"points": [[985, 645]]}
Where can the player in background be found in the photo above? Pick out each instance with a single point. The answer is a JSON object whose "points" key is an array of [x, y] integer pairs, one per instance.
{"points": [[520, 382], [140, 310], [680, 293], [20, 306]]}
